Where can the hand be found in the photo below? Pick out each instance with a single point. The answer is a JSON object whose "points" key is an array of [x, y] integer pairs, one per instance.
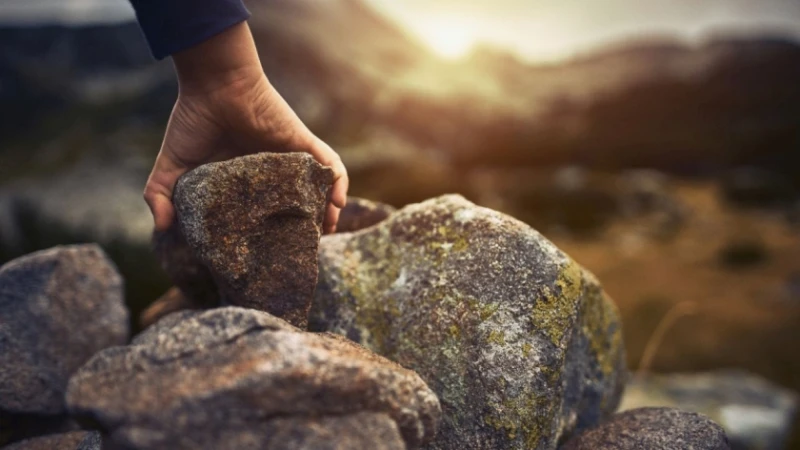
{"points": [[226, 108]]}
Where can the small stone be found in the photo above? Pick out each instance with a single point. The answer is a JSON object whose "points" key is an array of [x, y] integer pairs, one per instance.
{"points": [[255, 223], [75, 440], [754, 413], [189, 274], [239, 378], [173, 300], [519, 341], [58, 307], [360, 213], [653, 428]]}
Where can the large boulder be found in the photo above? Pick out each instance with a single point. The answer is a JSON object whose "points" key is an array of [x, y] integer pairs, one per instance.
{"points": [[520, 343], [75, 440], [254, 222], [755, 413], [653, 428], [240, 378], [58, 307], [360, 213]]}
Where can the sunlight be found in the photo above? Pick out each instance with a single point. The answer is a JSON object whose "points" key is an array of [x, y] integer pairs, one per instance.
{"points": [[450, 41]]}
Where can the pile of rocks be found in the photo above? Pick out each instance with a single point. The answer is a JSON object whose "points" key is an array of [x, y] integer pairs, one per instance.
{"points": [[443, 325]]}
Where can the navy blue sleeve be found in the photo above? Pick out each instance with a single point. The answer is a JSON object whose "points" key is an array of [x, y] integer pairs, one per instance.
{"points": [[174, 25]]}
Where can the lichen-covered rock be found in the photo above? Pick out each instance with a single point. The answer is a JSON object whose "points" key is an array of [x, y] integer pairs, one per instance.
{"points": [[75, 440], [360, 213], [519, 342], [239, 378], [255, 223], [58, 307], [754, 413], [653, 428]]}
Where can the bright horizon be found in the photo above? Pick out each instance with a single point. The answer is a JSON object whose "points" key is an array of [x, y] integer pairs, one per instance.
{"points": [[538, 31]]}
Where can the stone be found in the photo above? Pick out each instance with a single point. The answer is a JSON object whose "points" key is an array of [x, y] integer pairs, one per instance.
{"points": [[189, 274], [173, 300], [360, 213], [755, 413], [520, 343], [255, 223], [58, 307], [75, 440], [240, 378], [653, 428]]}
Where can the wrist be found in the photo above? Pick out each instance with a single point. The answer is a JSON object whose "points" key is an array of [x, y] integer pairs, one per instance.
{"points": [[222, 61]]}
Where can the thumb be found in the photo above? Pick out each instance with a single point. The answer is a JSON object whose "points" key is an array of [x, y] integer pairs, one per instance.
{"points": [[158, 190]]}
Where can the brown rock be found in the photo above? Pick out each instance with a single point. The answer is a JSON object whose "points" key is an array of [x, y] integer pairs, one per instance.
{"points": [[185, 269], [653, 428], [360, 213], [237, 378], [255, 223], [58, 307]]}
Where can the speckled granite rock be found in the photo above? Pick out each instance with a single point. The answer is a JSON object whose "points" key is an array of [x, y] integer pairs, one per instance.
{"points": [[255, 223], [75, 440], [360, 213], [519, 342], [754, 413], [653, 428], [58, 307], [237, 378]]}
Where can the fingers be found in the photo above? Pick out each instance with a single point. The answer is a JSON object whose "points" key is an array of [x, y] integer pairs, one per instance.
{"points": [[331, 219], [158, 191], [325, 155]]}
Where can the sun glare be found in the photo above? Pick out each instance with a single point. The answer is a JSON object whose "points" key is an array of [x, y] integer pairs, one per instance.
{"points": [[449, 41]]}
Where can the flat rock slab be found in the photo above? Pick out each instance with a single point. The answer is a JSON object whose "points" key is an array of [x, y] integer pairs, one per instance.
{"points": [[361, 213], [58, 307], [254, 222], [519, 342], [75, 440], [653, 428], [240, 378]]}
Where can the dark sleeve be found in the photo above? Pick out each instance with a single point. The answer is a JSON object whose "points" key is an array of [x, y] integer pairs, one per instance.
{"points": [[174, 25]]}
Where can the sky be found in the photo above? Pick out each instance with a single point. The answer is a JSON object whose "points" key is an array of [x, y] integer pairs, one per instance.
{"points": [[535, 29]]}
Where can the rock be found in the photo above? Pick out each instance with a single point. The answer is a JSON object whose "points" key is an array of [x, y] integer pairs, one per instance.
{"points": [[189, 274], [755, 413], [173, 300], [653, 428], [519, 342], [76, 440], [238, 378], [360, 213], [58, 308], [255, 223]]}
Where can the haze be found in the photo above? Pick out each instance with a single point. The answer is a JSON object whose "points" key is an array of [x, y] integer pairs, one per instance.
{"points": [[535, 29]]}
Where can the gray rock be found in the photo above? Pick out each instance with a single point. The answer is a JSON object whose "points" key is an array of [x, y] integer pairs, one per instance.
{"points": [[520, 343], [653, 428], [255, 223], [755, 413], [58, 307], [75, 440], [240, 378], [360, 213]]}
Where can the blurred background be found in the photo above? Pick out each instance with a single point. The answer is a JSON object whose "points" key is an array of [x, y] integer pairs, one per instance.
{"points": [[658, 143]]}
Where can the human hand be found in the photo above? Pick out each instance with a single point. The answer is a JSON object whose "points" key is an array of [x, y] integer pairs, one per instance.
{"points": [[227, 108]]}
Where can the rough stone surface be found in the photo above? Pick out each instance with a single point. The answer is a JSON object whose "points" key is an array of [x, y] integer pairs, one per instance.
{"points": [[653, 428], [360, 213], [519, 342], [76, 440], [185, 269], [755, 413], [238, 378], [173, 300], [58, 307], [255, 223]]}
